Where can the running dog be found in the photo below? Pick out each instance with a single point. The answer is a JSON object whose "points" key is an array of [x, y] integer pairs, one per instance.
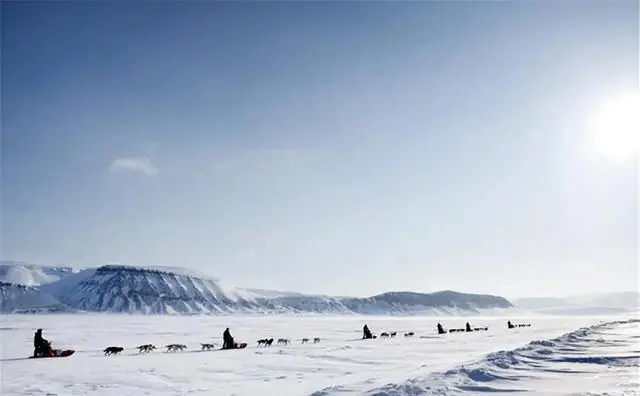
{"points": [[113, 350], [265, 342], [176, 347], [208, 347], [283, 341], [304, 340], [316, 340], [409, 334], [146, 348]]}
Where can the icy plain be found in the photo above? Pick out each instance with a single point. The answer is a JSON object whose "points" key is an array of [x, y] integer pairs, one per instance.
{"points": [[556, 356]]}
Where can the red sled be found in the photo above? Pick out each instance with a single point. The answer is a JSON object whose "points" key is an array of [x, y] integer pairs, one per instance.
{"points": [[57, 353], [240, 345]]}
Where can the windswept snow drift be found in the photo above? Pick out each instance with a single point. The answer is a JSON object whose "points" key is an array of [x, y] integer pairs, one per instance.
{"points": [[546, 364]]}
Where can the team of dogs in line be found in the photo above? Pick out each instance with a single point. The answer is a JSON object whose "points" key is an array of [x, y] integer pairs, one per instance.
{"points": [[146, 348], [266, 342]]}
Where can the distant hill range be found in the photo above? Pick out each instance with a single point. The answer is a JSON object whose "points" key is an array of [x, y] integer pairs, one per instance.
{"points": [[587, 304], [161, 290]]}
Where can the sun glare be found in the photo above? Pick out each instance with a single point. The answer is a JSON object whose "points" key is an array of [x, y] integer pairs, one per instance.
{"points": [[615, 127]]}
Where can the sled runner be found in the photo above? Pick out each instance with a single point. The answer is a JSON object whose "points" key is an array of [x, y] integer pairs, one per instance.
{"points": [[240, 345], [57, 353]]}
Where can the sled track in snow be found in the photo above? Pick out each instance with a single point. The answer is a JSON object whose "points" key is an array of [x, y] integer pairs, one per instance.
{"points": [[500, 372], [100, 354]]}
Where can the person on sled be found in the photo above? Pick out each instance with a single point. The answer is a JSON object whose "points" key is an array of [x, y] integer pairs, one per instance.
{"points": [[41, 346], [366, 333], [227, 340], [468, 327], [441, 329]]}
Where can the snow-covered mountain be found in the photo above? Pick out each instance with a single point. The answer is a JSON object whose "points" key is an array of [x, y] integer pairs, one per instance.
{"points": [[169, 290], [21, 298], [31, 274], [425, 303], [161, 290], [116, 288]]}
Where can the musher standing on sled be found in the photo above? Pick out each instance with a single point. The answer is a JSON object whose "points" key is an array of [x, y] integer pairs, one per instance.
{"points": [[366, 333], [41, 346], [227, 340]]}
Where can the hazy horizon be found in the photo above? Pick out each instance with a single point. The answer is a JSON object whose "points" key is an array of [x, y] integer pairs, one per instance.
{"points": [[342, 148]]}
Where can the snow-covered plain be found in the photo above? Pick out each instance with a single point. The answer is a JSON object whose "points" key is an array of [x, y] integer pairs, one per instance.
{"points": [[595, 358]]}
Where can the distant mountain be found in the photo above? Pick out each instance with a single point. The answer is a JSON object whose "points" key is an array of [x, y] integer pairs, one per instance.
{"points": [[413, 303], [21, 298], [64, 286], [116, 288], [588, 304], [31, 274], [169, 290], [275, 293]]}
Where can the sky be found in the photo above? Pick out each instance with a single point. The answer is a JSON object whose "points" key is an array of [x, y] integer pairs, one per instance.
{"points": [[347, 148]]}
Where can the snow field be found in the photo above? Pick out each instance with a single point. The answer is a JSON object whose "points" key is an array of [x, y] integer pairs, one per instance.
{"points": [[341, 362]]}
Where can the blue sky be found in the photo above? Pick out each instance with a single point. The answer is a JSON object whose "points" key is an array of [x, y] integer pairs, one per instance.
{"points": [[332, 147]]}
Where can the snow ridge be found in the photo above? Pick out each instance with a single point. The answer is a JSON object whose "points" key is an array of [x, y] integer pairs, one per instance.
{"points": [[501, 371]]}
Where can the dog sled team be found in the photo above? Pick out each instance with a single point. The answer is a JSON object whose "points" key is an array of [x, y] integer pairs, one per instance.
{"points": [[366, 333], [42, 347], [285, 341]]}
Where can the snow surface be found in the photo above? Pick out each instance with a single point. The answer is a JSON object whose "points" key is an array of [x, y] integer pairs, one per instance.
{"points": [[574, 355]]}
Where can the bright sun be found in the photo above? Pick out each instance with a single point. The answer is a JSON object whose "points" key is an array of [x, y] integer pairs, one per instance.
{"points": [[615, 127]]}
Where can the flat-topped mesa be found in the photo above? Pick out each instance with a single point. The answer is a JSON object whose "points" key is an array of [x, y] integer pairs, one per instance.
{"points": [[155, 270], [156, 290]]}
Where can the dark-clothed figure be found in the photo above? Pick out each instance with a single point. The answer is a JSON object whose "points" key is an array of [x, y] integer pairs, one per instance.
{"points": [[227, 340], [510, 325], [41, 346], [440, 329], [469, 327], [366, 333]]}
